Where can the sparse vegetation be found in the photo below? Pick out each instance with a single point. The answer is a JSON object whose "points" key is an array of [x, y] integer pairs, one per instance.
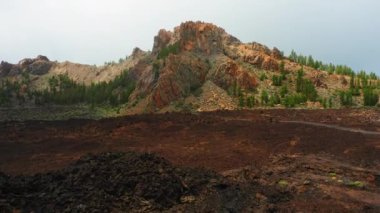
{"points": [[284, 91], [370, 97], [170, 49], [293, 100], [345, 98], [263, 77], [277, 80], [305, 87], [274, 100], [250, 101], [264, 97]]}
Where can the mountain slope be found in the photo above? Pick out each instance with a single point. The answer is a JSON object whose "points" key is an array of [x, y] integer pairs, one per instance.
{"points": [[200, 61]]}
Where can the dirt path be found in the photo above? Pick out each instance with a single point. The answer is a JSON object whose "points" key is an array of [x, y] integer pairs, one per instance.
{"points": [[334, 127]]}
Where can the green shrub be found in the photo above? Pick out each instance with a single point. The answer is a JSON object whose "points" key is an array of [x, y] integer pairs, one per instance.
{"points": [[330, 102], [305, 87], [241, 101], [264, 97], [274, 100], [370, 97], [277, 80], [170, 49], [355, 91], [293, 100], [250, 101], [263, 77], [345, 98], [284, 91]]}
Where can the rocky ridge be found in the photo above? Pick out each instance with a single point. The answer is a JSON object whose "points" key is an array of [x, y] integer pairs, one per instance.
{"points": [[180, 63]]}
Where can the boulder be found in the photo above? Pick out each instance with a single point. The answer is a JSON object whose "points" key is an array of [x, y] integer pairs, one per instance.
{"points": [[5, 68], [39, 67], [42, 58], [276, 54]]}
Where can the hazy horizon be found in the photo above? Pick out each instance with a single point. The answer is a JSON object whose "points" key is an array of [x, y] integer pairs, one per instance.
{"points": [[89, 32]]}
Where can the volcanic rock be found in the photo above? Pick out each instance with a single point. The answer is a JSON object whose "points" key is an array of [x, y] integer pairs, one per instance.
{"points": [[5, 68], [276, 54], [161, 40], [181, 75], [104, 183]]}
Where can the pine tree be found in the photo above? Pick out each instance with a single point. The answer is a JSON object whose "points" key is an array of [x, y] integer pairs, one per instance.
{"points": [[241, 101], [264, 97]]}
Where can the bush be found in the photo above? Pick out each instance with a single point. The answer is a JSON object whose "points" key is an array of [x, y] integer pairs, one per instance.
{"points": [[264, 97], [170, 49], [263, 77], [305, 87], [355, 91], [370, 97], [345, 98], [293, 100], [277, 80], [284, 91], [250, 101], [241, 101], [274, 100]]}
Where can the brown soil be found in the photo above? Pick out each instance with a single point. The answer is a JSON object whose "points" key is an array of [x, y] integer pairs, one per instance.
{"points": [[320, 164]]}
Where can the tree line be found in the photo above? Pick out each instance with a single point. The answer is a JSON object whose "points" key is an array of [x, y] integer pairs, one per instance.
{"points": [[330, 68], [65, 91]]}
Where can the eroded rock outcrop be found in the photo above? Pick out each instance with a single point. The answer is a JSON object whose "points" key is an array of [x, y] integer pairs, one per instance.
{"points": [[161, 40], [228, 73], [36, 66], [180, 75]]}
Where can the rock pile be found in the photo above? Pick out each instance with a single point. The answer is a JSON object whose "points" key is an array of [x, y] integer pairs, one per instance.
{"points": [[104, 183]]}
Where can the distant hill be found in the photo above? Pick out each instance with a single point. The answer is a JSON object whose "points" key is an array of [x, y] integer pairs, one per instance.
{"points": [[195, 67]]}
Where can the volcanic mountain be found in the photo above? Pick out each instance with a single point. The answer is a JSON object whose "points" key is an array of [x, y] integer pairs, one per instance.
{"points": [[196, 67]]}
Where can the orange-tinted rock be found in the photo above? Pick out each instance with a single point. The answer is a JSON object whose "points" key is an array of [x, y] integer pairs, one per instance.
{"points": [[203, 37], [178, 78], [260, 48], [276, 54], [269, 64], [161, 40], [229, 73]]}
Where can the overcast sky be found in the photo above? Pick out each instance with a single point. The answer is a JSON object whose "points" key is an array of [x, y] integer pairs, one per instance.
{"points": [[95, 31]]}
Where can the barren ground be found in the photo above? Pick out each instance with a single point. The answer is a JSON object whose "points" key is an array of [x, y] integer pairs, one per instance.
{"points": [[329, 159]]}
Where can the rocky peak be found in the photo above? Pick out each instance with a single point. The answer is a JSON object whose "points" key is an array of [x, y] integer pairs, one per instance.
{"points": [[203, 37], [161, 40], [137, 53], [197, 37]]}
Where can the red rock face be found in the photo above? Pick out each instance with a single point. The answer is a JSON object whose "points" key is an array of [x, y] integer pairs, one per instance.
{"points": [[180, 75], [203, 38], [161, 40], [269, 63], [229, 73]]}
